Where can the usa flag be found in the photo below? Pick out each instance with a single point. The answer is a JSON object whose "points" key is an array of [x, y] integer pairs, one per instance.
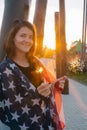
{"points": [[21, 106]]}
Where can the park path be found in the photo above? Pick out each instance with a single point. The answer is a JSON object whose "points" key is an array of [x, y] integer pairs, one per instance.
{"points": [[75, 106]]}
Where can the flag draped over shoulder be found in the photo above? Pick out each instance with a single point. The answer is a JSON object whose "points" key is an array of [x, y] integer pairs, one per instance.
{"points": [[22, 107], [57, 93]]}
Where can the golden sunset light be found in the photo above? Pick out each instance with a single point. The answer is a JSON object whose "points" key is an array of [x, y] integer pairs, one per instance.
{"points": [[43, 64], [73, 21]]}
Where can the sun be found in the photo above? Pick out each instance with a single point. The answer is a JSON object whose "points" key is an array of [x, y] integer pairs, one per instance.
{"points": [[49, 41], [73, 18]]}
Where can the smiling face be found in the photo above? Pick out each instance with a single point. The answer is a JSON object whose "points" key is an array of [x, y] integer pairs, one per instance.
{"points": [[23, 40], [20, 39]]}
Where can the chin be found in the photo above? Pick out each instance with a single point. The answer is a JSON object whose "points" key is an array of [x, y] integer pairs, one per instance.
{"points": [[26, 50]]}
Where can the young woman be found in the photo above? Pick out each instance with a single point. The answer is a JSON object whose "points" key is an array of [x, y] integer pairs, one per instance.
{"points": [[28, 92]]}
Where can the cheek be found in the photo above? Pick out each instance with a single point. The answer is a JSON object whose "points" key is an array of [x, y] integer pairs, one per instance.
{"points": [[16, 42], [17, 39]]}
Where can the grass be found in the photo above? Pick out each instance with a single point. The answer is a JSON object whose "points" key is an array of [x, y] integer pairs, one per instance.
{"points": [[82, 77]]}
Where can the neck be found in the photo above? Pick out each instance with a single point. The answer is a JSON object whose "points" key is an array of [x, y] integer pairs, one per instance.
{"points": [[21, 60]]}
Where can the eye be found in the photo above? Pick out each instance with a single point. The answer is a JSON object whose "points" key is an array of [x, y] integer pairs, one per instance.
{"points": [[31, 37], [23, 35]]}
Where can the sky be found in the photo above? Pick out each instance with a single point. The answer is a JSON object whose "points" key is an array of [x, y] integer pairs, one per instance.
{"points": [[73, 20]]}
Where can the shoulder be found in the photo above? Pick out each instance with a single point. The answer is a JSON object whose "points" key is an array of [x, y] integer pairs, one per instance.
{"points": [[6, 63], [3, 64]]}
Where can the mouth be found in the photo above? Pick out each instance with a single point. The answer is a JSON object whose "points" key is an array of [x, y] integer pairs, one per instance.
{"points": [[26, 44]]}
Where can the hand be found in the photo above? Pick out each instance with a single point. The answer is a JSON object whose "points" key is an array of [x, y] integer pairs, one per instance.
{"points": [[59, 83], [44, 89]]}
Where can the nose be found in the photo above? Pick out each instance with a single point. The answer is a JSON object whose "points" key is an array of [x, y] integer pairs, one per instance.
{"points": [[28, 40]]}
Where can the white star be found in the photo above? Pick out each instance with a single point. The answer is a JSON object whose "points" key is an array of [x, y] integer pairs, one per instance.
{"points": [[32, 87], [7, 103], [35, 101], [45, 110], [22, 78], [53, 99], [23, 127], [41, 128], [11, 85], [25, 109], [35, 118], [12, 66], [18, 98], [7, 71], [26, 93], [7, 120], [51, 112], [2, 104], [3, 87], [15, 116], [23, 85], [51, 128]]}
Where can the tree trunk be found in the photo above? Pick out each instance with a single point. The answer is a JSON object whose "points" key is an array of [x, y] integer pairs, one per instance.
{"points": [[14, 9], [63, 46], [39, 21], [84, 32], [62, 37], [58, 44]]}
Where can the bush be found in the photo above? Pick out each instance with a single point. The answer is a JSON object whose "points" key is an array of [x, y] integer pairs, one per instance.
{"points": [[76, 67]]}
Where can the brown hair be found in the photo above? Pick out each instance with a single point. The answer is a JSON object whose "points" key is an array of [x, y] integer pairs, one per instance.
{"points": [[9, 45]]}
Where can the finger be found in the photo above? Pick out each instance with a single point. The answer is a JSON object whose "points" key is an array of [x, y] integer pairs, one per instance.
{"points": [[62, 82], [44, 88], [45, 92], [63, 78], [61, 86]]}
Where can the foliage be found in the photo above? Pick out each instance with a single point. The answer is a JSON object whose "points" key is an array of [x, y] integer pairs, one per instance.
{"points": [[76, 67], [77, 71], [75, 50], [76, 46]]}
